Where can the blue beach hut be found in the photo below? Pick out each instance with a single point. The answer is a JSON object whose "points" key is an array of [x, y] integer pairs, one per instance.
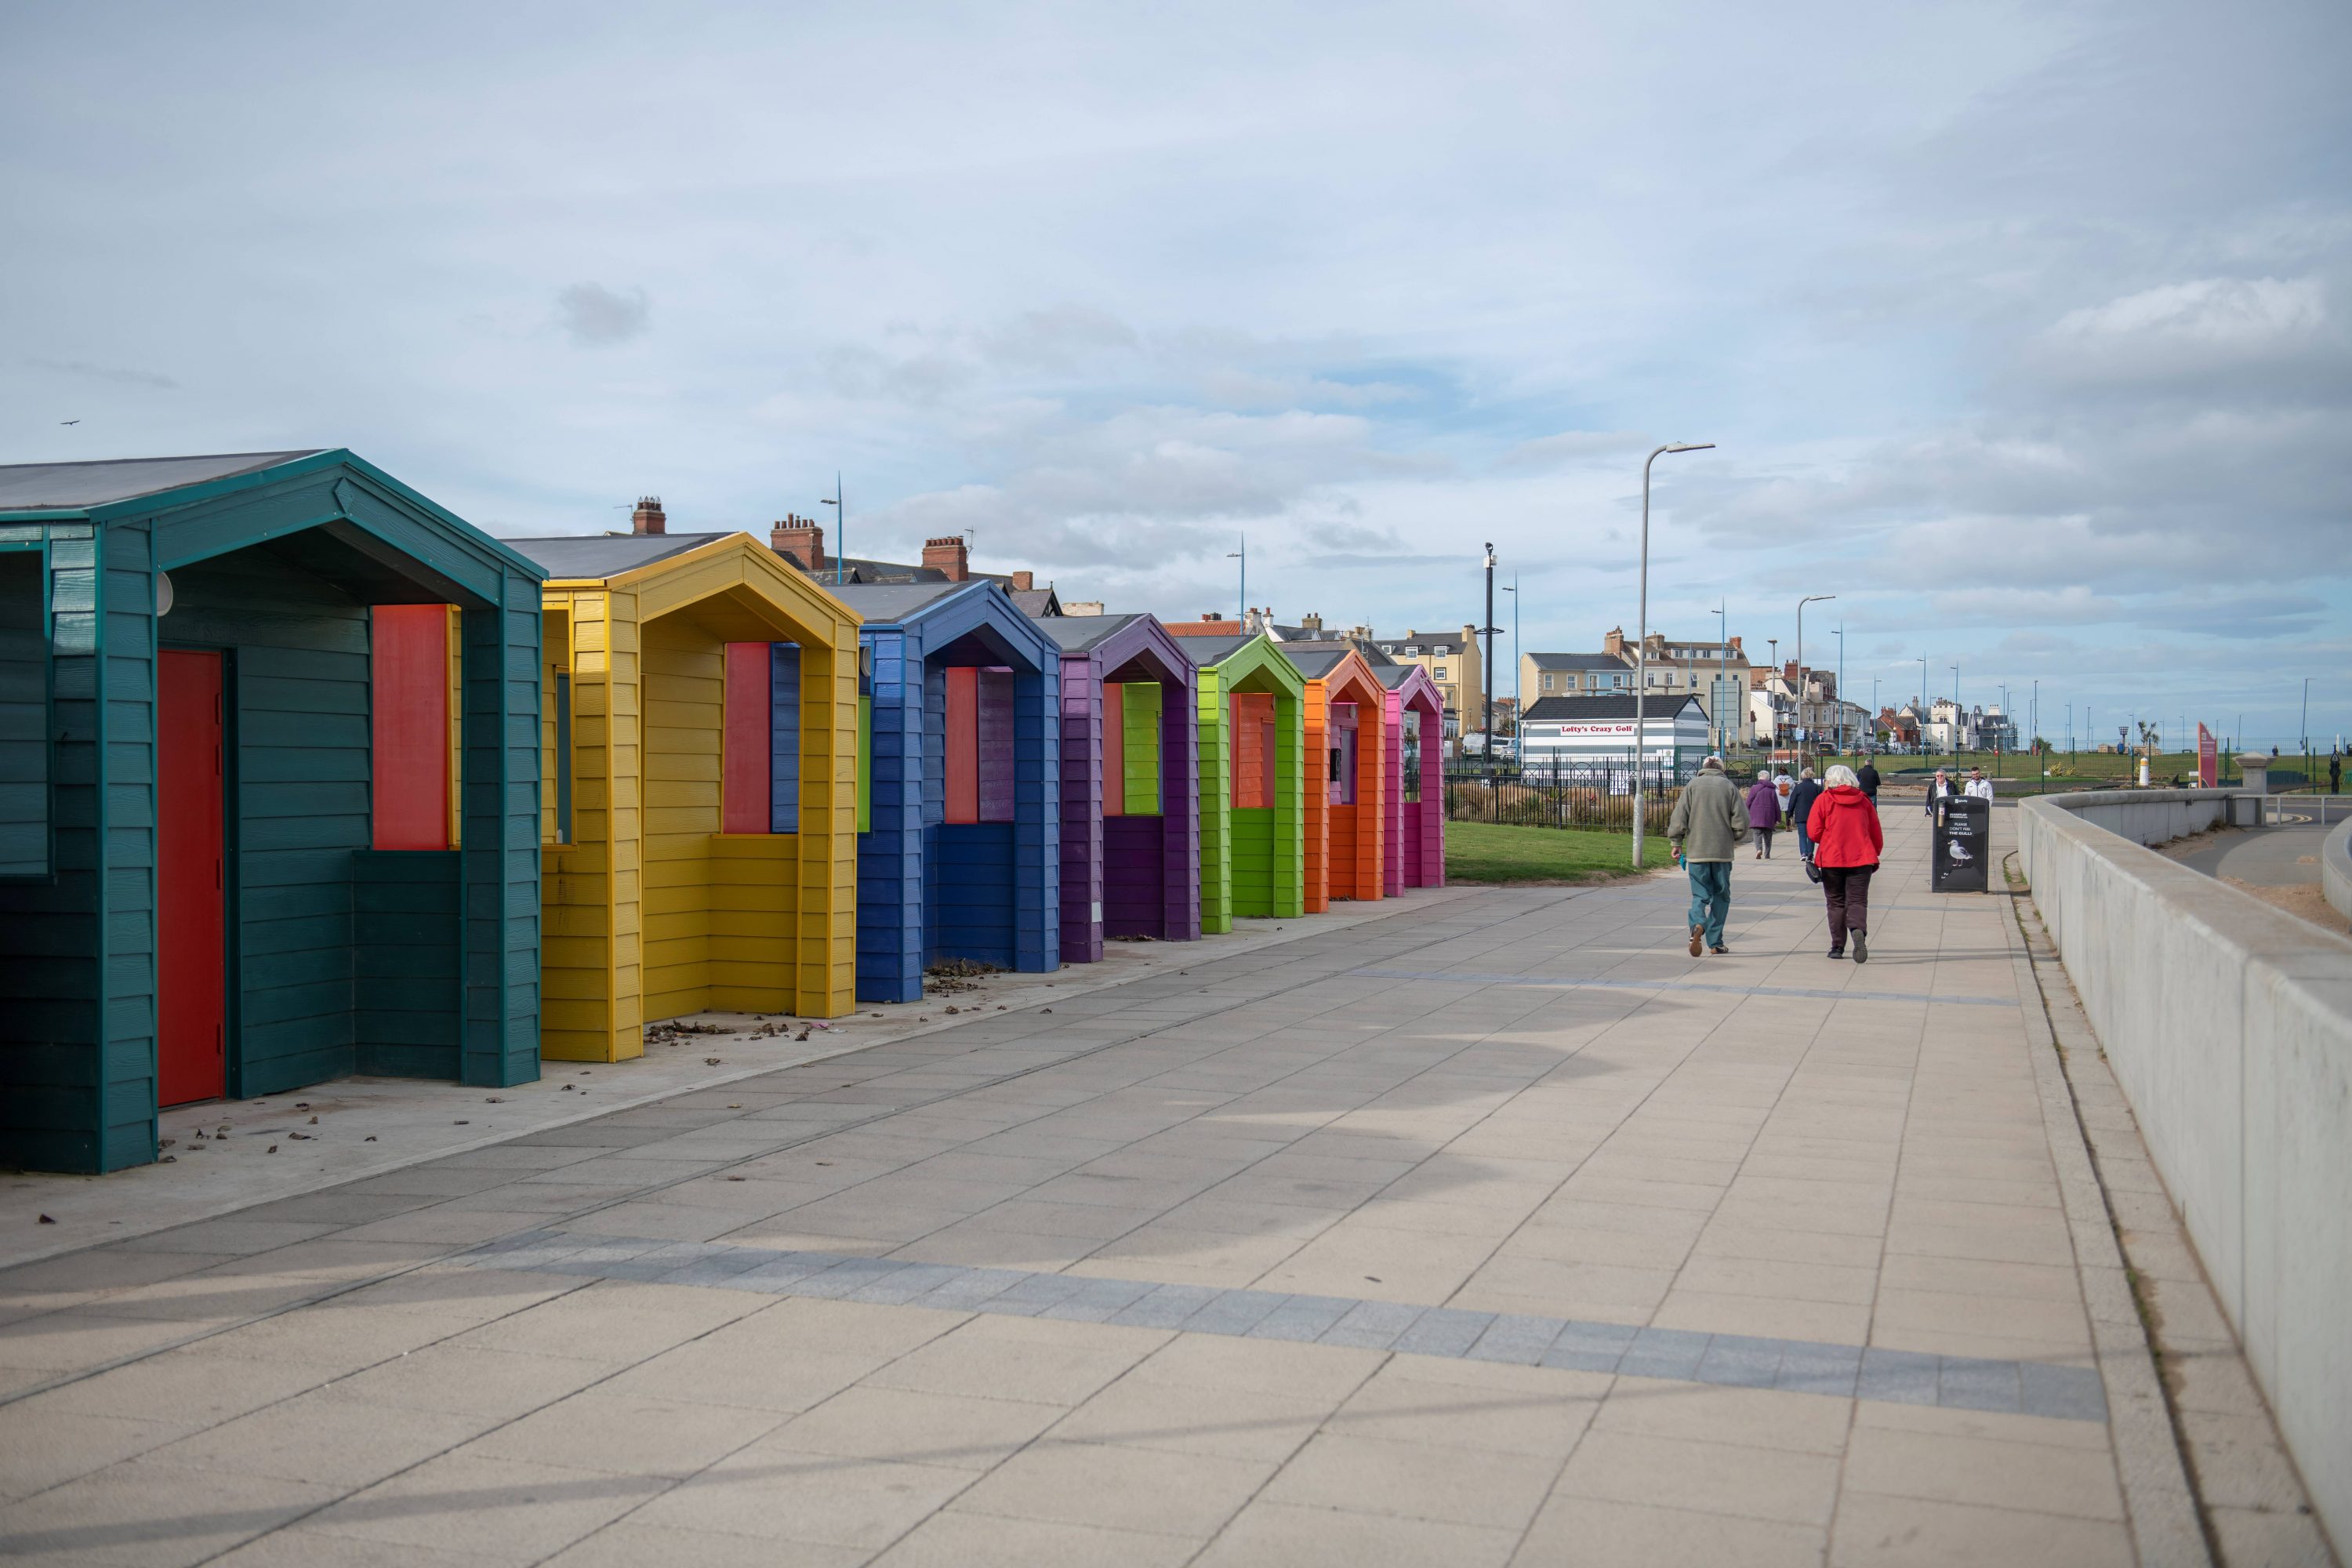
{"points": [[960, 840]]}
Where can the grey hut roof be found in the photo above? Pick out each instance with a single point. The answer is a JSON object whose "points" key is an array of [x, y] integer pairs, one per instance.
{"points": [[606, 554], [1313, 661], [887, 602], [1214, 651], [70, 487], [1076, 633]]}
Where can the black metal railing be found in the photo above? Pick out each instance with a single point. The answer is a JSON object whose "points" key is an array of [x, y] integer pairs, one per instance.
{"points": [[1589, 798]]}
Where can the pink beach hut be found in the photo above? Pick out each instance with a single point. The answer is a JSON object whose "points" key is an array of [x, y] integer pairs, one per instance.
{"points": [[1415, 839]]}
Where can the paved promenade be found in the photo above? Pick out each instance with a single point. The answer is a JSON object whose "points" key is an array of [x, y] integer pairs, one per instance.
{"points": [[1494, 1231]]}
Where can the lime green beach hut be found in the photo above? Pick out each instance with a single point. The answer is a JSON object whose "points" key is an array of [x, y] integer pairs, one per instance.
{"points": [[1251, 705]]}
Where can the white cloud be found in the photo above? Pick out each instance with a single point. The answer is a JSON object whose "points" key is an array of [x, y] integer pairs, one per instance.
{"points": [[2223, 312]]}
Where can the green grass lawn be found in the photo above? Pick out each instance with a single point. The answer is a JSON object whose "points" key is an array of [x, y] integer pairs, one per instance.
{"points": [[1495, 852]]}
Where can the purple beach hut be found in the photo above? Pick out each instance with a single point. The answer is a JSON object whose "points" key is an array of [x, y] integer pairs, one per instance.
{"points": [[1130, 832]]}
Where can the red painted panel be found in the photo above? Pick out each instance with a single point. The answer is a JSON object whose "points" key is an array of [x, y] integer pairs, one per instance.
{"points": [[409, 703], [1254, 756], [746, 769], [191, 964], [963, 743], [1114, 750]]}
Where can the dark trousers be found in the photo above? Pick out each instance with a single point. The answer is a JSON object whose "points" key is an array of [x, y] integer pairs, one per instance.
{"points": [[1764, 842], [1847, 889]]}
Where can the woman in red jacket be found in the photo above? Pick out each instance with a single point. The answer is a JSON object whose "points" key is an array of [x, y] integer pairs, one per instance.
{"points": [[1846, 838]]}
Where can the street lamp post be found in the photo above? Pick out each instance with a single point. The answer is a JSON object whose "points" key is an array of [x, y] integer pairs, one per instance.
{"points": [[1487, 701], [1242, 555], [1840, 708], [1956, 714], [840, 525], [1926, 707], [1512, 588], [1808, 599], [1723, 675], [2005, 723], [1641, 629]]}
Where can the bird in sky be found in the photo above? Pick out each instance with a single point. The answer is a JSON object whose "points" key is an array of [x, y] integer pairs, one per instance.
{"points": [[68, 421]]}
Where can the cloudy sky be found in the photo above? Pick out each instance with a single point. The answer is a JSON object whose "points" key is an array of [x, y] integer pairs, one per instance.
{"points": [[2022, 330]]}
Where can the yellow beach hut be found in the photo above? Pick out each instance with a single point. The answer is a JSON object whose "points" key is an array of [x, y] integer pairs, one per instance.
{"points": [[699, 830]]}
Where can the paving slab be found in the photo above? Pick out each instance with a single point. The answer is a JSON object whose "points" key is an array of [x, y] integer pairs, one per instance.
{"points": [[1488, 1229]]}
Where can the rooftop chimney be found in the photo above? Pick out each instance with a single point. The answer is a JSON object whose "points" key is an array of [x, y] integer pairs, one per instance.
{"points": [[1211, 616], [1023, 582], [800, 541], [948, 554], [1310, 623], [1613, 645], [648, 518]]}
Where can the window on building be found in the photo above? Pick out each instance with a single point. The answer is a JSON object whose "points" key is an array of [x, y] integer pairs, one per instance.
{"points": [[1441, 672]]}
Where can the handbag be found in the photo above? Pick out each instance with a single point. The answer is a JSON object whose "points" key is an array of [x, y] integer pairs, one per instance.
{"points": [[1812, 872]]}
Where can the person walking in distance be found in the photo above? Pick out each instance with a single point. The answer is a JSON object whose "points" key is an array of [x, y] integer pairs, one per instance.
{"points": [[1937, 790], [2335, 774], [1763, 811], [1709, 824], [1846, 843], [1867, 777], [1978, 786], [1801, 803]]}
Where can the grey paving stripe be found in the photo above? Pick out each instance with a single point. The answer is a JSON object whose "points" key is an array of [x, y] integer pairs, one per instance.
{"points": [[1731, 1361], [1567, 984]]}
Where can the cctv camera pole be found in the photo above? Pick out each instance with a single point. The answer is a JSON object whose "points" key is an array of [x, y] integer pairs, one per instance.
{"points": [[1642, 646]]}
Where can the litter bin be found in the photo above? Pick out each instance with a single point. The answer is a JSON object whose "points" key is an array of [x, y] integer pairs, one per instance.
{"points": [[1963, 827]]}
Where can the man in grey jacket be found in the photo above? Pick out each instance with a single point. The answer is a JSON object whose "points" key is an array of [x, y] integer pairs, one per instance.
{"points": [[1709, 822]]}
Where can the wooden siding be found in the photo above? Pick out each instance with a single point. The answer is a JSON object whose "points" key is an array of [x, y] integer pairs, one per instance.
{"points": [[653, 912], [76, 1053], [1084, 738], [407, 962], [1135, 877], [299, 806], [903, 856], [78, 950], [1138, 774], [1230, 852], [1343, 843], [24, 714]]}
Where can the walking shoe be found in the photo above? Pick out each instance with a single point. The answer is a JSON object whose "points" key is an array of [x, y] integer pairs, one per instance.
{"points": [[1837, 953], [1720, 948], [1698, 934], [1861, 946]]}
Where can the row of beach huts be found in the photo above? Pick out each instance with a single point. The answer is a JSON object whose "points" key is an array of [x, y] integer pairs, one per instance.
{"points": [[302, 776]]}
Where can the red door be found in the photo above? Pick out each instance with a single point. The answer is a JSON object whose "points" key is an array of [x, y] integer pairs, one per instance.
{"points": [[190, 970]]}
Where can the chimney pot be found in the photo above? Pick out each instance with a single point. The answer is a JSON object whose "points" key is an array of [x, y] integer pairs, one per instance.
{"points": [[950, 556], [648, 517], [800, 541]]}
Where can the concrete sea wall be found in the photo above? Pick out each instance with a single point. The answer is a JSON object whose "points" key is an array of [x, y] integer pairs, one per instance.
{"points": [[2229, 1025]]}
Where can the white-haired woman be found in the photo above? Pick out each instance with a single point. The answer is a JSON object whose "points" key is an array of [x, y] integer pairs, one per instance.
{"points": [[1843, 826]]}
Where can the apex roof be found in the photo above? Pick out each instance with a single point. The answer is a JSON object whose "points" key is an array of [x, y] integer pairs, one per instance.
{"points": [[606, 554], [70, 487]]}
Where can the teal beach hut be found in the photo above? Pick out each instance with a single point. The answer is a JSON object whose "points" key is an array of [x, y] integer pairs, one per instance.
{"points": [[226, 684]]}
